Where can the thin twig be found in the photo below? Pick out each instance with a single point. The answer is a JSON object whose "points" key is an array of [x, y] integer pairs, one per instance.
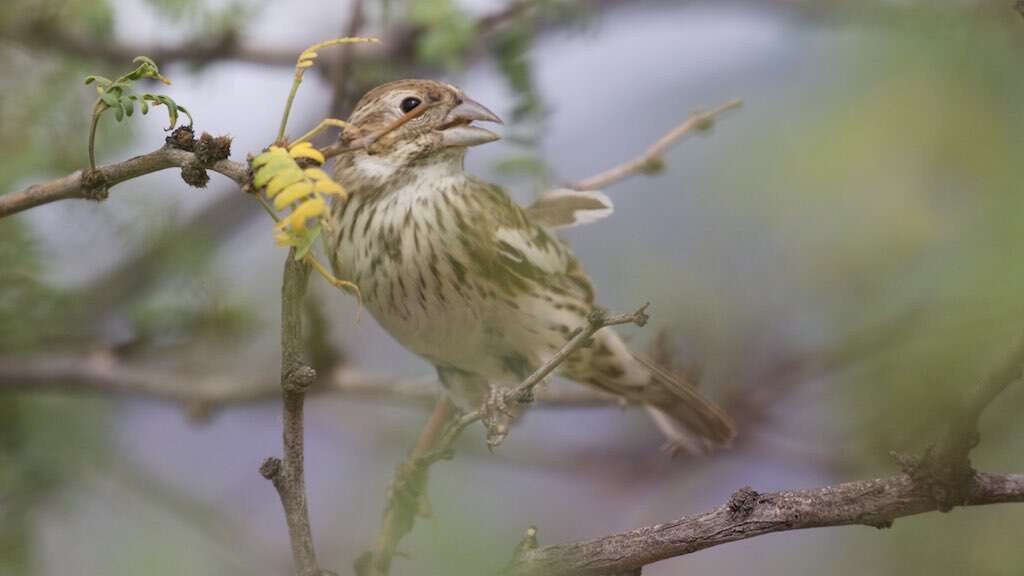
{"points": [[72, 185], [524, 393], [288, 474], [651, 156]]}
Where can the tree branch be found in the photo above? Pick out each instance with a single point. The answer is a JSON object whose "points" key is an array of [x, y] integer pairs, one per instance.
{"points": [[288, 474], [88, 185], [939, 480], [651, 157], [202, 395], [45, 35], [748, 514]]}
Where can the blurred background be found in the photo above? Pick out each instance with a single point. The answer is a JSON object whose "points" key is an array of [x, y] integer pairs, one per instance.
{"points": [[839, 261]]}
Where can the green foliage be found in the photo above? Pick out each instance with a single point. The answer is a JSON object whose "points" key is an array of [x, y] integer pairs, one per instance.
{"points": [[448, 32], [29, 309], [194, 310], [42, 440], [92, 18], [116, 94], [511, 48], [176, 10]]}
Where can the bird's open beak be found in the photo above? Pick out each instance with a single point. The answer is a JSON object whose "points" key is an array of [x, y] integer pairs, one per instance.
{"points": [[457, 129]]}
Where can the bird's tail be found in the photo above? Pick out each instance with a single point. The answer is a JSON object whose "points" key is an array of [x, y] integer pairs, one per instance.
{"points": [[689, 421]]}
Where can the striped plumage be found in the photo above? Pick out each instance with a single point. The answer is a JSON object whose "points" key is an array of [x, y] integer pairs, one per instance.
{"points": [[461, 275]]}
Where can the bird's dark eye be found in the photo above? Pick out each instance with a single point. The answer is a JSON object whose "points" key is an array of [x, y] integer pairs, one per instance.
{"points": [[409, 104]]}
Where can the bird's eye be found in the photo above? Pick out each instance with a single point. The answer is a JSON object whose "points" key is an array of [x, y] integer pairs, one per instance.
{"points": [[409, 104]]}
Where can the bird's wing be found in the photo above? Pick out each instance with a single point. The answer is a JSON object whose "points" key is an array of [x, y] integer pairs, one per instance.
{"points": [[521, 256], [564, 208], [531, 252]]}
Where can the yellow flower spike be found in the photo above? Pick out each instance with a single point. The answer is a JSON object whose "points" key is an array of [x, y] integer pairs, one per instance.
{"points": [[307, 152], [316, 174], [283, 180], [297, 219], [329, 187], [271, 170], [274, 152], [304, 61], [293, 193]]}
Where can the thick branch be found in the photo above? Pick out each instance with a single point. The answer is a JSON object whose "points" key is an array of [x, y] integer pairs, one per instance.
{"points": [[652, 156], [288, 474], [748, 514], [84, 184]]}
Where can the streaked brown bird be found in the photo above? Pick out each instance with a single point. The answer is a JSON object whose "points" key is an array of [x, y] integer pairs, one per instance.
{"points": [[477, 285]]}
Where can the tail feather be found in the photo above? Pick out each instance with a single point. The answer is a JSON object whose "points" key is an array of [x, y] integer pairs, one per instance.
{"points": [[690, 422]]}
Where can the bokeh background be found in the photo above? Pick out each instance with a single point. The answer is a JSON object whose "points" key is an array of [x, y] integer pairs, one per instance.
{"points": [[839, 261]]}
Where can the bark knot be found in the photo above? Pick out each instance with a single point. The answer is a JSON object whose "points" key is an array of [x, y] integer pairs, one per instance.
{"points": [[299, 379], [742, 503], [94, 185]]}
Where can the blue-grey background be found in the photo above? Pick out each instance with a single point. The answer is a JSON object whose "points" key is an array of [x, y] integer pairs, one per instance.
{"points": [[839, 259]]}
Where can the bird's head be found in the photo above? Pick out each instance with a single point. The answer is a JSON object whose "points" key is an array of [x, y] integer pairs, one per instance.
{"points": [[410, 123]]}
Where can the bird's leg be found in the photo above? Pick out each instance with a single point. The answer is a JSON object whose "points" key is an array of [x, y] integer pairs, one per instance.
{"points": [[496, 416]]}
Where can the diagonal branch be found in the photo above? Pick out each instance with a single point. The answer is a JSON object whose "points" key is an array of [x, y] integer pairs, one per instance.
{"points": [[88, 184], [651, 157], [748, 514]]}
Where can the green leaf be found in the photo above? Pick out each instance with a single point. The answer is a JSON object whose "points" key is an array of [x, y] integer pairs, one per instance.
{"points": [[129, 106], [145, 61], [172, 111], [109, 99], [118, 112]]}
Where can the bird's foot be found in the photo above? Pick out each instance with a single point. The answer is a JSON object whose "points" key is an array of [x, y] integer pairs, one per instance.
{"points": [[496, 416]]}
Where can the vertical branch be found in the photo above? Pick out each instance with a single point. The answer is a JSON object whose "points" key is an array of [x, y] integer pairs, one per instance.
{"points": [[288, 474]]}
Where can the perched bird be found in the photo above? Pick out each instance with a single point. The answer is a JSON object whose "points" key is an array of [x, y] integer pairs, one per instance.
{"points": [[467, 279]]}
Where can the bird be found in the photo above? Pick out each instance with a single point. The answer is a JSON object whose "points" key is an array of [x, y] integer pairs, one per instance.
{"points": [[469, 280]]}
